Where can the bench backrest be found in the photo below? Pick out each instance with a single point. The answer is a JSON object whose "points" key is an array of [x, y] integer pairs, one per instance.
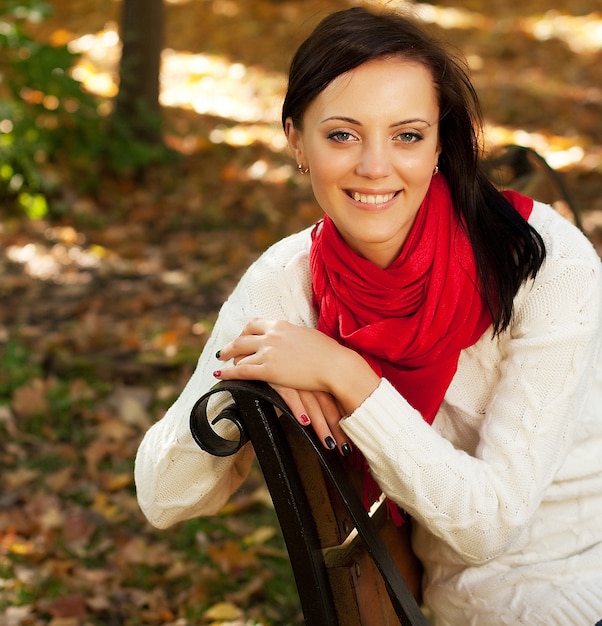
{"points": [[350, 569]]}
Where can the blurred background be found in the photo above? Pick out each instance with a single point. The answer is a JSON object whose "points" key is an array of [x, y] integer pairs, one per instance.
{"points": [[142, 168]]}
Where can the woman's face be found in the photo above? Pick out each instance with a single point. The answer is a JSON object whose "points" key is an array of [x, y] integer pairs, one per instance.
{"points": [[371, 142]]}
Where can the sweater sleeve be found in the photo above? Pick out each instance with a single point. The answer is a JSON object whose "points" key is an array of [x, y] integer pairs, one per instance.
{"points": [[478, 494], [175, 479]]}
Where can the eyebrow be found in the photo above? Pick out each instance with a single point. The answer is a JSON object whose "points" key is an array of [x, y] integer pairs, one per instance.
{"points": [[350, 120]]}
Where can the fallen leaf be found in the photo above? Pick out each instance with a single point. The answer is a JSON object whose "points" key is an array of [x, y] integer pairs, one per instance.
{"points": [[223, 611], [16, 615], [118, 481], [57, 481], [72, 607], [141, 552], [230, 557], [260, 535], [115, 430], [106, 508], [30, 399], [78, 530]]}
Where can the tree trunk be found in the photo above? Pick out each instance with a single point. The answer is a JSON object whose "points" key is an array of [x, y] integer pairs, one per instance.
{"points": [[137, 104]]}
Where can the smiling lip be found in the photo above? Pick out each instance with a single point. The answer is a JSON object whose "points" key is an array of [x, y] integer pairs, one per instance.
{"points": [[372, 198]]}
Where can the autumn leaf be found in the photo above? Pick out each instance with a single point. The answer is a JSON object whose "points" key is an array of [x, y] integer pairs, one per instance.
{"points": [[230, 557], [31, 399], [68, 607], [78, 530], [223, 612]]}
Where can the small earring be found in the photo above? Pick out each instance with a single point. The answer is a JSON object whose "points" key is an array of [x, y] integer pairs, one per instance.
{"points": [[303, 170], [436, 170]]}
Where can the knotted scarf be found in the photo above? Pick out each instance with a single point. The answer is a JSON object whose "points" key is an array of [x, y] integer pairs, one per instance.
{"points": [[411, 320]]}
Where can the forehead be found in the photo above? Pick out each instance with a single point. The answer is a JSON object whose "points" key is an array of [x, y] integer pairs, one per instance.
{"points": [[391, 86]]}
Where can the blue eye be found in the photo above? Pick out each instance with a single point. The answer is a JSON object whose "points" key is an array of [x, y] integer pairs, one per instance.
{"points": [[410, 137], [341, 136]]}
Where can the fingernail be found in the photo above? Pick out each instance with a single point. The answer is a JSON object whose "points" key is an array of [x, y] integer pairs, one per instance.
{"points": [[217, 373], [218, 354], [330, 443], [346, 449], [304, 419]]}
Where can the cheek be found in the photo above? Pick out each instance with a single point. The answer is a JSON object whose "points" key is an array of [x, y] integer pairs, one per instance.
{"points": [[328, 162], [418, 169], [327, 172]]}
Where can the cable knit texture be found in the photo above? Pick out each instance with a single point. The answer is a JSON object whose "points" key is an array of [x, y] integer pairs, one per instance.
{"points": [[505, 487]]}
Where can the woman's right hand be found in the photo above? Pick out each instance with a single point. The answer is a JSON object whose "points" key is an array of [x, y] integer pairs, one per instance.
{"points": [[319, 410]]}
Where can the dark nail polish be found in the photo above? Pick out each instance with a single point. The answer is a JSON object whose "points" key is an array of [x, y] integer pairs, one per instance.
{"points": [[218, 354], [346, 449], [217, 373], [330, 443]]}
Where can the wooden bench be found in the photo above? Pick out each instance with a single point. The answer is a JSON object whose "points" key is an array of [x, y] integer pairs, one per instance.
{"points": [[350, 568], [523, 169]]}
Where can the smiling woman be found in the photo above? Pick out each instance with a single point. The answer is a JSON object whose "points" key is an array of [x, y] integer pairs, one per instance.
{"points": [[443, 334]]}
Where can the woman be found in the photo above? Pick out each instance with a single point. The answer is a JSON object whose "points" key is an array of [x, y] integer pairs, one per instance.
{"points": [[447, 332]]}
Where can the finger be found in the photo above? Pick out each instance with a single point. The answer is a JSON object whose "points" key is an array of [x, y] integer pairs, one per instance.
{"points": [[240, 347], [332, 413], [318, 419], [294, 403], [245, 370], [256, 326]]}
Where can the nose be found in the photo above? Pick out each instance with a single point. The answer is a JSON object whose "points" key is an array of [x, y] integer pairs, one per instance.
{"points": [[375, 160]]}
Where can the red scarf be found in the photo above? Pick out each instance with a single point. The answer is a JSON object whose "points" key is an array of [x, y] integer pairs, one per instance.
{"points": [[411, 320]]}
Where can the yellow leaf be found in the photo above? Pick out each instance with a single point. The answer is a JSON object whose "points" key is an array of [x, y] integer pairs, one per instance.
{"points": [[119, 481], [21, 547], [223, 611], [260, 535], [106, 508]]}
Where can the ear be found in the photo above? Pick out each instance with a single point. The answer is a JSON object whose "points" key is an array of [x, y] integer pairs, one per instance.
{"points": [[439, 150], [295, 140]]}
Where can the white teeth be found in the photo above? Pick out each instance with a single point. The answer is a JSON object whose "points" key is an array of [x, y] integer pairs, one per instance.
{"points": [[376, 199]]}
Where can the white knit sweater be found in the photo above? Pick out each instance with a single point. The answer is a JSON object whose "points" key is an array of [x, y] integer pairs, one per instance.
{"points": [[505, 487]]}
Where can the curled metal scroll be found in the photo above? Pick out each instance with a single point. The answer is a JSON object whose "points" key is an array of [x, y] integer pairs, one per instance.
{"points": [[201, 425]]}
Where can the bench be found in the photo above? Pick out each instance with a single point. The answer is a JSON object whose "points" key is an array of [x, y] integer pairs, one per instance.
{"points": [[350, 568], [523, 169]]}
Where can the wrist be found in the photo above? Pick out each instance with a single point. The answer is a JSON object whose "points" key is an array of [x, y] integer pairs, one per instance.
{"points": [[353, 380]]}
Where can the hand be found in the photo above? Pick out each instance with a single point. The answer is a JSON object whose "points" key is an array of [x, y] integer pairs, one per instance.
{"points": [[282, 354], [303, 360], [321, 411]]}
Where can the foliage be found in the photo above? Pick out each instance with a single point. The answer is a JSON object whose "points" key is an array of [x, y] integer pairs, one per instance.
{"points": [[74, 547], [40, 102], [48, 119], [16, 368]]}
